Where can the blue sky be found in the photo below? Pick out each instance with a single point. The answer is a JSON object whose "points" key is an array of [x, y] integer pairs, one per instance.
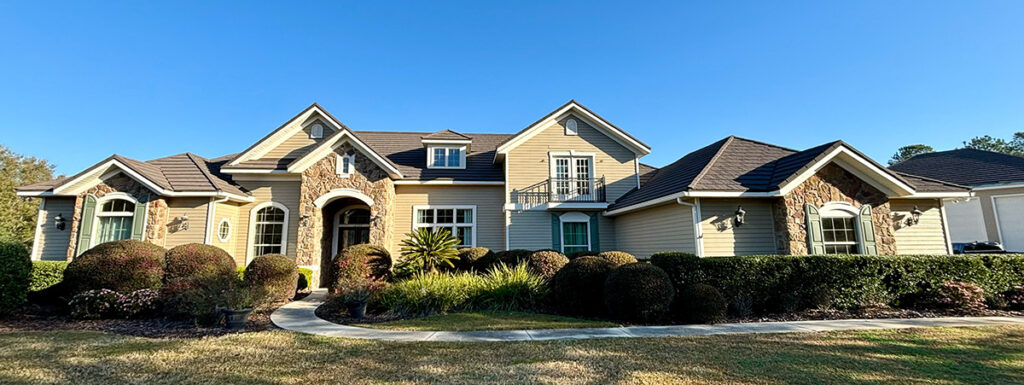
{"points": [[80, 82]]}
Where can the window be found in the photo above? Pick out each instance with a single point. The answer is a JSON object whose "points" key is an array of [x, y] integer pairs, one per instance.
{"points": [[352, 227], [317, 131], [269, 229], [575, 237], [840, 235], [114, 220], [346, 164], [572, 177], [571, 128], [446, 157], [224, 230], [459, 220]]}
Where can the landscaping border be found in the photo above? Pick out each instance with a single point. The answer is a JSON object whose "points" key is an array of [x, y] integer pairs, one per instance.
{"points": [[301, 316]]}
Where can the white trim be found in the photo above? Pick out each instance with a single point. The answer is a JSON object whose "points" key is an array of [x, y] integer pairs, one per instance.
{"points": [[337, 225], [450, 182], [40, 222], [230, 230], [287, 130], [602, 125], [250, 244], [98, 213], [838, 209], [997, 186], [211, 214], [698, 235], [945, 226], [508, 215], [636, 170], [312, 130], [555, 206], [455, 215], [572, 156], [61, 190], [339, 138], [339, 165], [447, 141], [995, 214], [573, 217], [965, 194], [447, 150], [342, 193], [229, 170], [846, 153]]}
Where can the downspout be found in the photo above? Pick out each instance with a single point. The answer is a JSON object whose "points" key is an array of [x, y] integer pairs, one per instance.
{"points": [[211, 212], [698, 236]]}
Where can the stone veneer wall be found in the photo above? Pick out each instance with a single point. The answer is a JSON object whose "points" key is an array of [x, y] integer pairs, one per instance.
{"points": [[321, 178], [156, 216], [831, 184]]}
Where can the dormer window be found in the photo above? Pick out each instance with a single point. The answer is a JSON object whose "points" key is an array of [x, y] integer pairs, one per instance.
{"points": [[317, 131], [446, 157], [570, 127], [346, 164]]}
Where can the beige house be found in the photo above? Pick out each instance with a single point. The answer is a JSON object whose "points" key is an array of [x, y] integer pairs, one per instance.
{"points": [[571, 181]]}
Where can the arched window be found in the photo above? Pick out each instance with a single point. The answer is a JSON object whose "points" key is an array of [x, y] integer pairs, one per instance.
{"points": [[268, 227], [114, 220], [571, 128], [839, 228], [317, 131]]}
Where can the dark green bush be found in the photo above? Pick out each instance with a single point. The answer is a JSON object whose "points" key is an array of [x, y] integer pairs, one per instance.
{"points": [[514, 256], [15, 275], [199, 261], [586, 253], [700, 303], [618, 258], [195, 280], [638, 292], [546, 263], [359, 263], [123, 266], [773, 283], [305, 279], [579, 286], [275, 273], [469, 257], [46, 274]]}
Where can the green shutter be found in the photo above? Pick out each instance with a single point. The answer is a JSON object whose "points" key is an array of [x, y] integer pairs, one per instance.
{"points": [[139, 219], [815, 238], [556, 232], [85, 224], [595, 239], [867, 232]]}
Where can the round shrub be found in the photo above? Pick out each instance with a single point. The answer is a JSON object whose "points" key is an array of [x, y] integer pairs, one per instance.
{"points": [[1014, 298], [700, 303], [964, 297], [122, 266], [546, 263], [638, 292], [360, 262], [469, 257], [198, 261], [619, 258], [579, 286], [513, 257], [15, 275], [275, 273], [585, 253], [195, 280]]}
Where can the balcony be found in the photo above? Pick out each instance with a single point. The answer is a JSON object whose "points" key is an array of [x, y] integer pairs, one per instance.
{"points": [[564, 192]]}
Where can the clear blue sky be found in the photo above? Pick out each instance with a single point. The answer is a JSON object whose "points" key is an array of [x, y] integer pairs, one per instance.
{"points": [[80, 82]]}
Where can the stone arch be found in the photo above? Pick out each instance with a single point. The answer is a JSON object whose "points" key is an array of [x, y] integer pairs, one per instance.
{"points": [[342, 193]]}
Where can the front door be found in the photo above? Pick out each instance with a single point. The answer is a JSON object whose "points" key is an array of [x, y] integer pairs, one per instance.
{"points": [[351, 227]]}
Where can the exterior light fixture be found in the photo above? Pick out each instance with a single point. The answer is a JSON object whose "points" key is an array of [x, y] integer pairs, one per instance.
{"points": [[915, 217], [741, 216], [304, 221], [183, 223], [59, 222]]}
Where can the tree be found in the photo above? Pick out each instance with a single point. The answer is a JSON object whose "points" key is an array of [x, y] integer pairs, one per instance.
{"points": [[907, 152], [1014, 146], [17, 216]]}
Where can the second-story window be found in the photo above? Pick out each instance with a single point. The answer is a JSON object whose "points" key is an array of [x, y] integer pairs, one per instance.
{"points": [[572, 177], [446, 157]]}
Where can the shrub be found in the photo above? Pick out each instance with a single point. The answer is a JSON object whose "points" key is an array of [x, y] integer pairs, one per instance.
{"points": [[470, 256], [276, 273], [305, 279], [359, 263], [579, 287], [15, 275], [511, 288], [46, 274], [198, 261], [1014, 298], [960, 296], [196, 279], [546, 263], [586, 253], [195, 299], [512, 257], [122, 266], [638, 292], [428, 250], [618, 258], [139, 303], [502, 288], [94, 304], [700, 303]]}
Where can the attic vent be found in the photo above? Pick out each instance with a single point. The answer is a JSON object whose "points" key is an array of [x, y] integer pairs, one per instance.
{"points": [[317, 132], [570, 127]]}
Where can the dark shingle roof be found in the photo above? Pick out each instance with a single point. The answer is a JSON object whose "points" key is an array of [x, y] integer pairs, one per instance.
{"points": [[966, 166], [446, 134], [406, 150]]}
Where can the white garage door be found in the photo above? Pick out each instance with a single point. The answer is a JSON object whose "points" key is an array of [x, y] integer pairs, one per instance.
{"points": [[1010, 215], [966, 222]]}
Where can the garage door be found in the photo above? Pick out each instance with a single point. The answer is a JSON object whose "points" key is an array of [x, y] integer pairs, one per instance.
{"points": [[1010, 216]]}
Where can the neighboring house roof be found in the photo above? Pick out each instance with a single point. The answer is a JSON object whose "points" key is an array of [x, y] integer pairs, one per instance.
{"points": [[446, 134], [966, 166], [739, 165]]}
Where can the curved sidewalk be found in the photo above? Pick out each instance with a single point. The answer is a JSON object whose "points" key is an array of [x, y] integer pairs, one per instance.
{"points": [[300, 316]]}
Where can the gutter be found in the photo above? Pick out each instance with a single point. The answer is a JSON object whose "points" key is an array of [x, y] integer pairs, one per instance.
{"points": [[211, 213], [698, 236]]}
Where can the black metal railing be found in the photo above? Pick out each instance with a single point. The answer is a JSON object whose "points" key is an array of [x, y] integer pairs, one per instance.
{"points": [[561, 190]]}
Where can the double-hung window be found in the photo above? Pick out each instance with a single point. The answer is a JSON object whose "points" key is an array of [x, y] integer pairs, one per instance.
{"points": [[114, 220], [840, 235], [575, 232], [446, 157], [269, 230], [460, 221]]}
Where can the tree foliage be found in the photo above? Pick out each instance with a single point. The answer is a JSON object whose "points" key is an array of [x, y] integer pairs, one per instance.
{"points": [[427, 249], [907, 152], [1014, 146], [17, 216]]}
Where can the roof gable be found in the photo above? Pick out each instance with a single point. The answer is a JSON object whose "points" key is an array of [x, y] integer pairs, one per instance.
{"points": [[344, 135], [602, 125], [288, 131]]}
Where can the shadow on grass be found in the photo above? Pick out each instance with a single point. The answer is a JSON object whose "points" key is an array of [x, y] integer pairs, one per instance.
{"points": [[979, 355]]}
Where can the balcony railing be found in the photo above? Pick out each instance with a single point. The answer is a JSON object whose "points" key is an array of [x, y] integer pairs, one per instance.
{"points": [[561, 190]]}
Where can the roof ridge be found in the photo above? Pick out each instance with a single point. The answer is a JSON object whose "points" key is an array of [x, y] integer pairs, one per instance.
{"points": [[927, 178], [202, 170], [707, 166], [765, 143]]}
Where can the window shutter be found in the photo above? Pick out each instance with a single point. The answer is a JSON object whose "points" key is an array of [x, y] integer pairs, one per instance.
{"points": [[556, 233], [595, 239], [867, 232], [815, 238], [85, 224], [139, 219]]}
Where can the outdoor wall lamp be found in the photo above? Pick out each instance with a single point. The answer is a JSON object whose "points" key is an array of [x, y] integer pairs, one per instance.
{"points": [[915, 216], [183, 223], [304, 221], [59, 222], [741, 216]]}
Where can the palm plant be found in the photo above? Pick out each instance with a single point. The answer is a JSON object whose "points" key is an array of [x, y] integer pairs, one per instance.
{"points": [[427, 249]]}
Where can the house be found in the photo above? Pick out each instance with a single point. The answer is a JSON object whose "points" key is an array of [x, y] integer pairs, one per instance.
{"points": [[997, 214], [571, 181]]}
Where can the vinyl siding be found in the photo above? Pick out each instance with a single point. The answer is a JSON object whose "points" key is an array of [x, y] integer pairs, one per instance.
{"points": [[662, 228], [490, 226], [195, 209], [722, 238], [298, 144], [227, 211], [530, 230], [926, 237], [53, 243], [285, 192]]}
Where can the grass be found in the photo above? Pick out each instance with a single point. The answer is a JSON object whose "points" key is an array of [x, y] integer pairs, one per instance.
{"points": [[989, 355], [490, 320]]}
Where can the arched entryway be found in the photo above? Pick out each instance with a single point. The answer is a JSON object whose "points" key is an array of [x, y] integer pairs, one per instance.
{"points": [[346, 222]]}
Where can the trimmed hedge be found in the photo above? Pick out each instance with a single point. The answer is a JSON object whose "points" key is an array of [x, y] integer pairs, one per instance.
{"points": [[199, 261], [618, 258], [585, 253], [700, 303], [638, 292], [360, 262], [195, 280], [277, 273], [15, 275], [546, 263], [579, 286], [46, 274], [775, 283], [471, 257], [123, 266]]}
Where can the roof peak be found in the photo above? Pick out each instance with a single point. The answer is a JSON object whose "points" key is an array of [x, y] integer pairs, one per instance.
{"points": [[446, 134]]}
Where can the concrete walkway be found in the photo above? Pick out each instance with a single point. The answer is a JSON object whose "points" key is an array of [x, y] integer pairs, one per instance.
{"points": [[300, 316]]}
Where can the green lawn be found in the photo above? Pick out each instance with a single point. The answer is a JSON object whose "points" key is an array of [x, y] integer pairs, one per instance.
{"points": [[490, 320], [990, 355]]}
